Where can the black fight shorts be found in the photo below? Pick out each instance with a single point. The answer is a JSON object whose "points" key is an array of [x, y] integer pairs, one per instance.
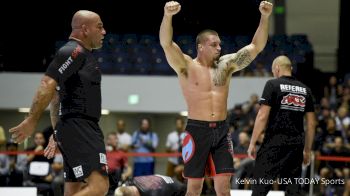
{"points": [[82, 146], [207, 149], [272, 162]]}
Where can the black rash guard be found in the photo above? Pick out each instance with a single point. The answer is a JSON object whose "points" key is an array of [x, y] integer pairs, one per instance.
{"points": [[78, 78]]}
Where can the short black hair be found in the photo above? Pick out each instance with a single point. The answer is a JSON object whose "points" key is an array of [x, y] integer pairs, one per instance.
{"points": [[201, 37]]}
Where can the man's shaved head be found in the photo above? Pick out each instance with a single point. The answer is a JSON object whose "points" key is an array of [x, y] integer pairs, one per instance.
{"points": [[87, 28], [283, 62], [82, 17], [281, 66]]}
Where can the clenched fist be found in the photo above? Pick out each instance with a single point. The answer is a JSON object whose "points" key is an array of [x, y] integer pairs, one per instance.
{"points": [[171, 8], [265, 8]]}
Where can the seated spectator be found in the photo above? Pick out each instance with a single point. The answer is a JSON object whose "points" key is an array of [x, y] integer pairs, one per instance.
{"points": [[42, 182], [336, 169], [173, 144], [12, 167], [118, 167], [331, 92], [243, 145], [260, 70], [57, 175], [330, 135], [4, 169], [2, 138]]}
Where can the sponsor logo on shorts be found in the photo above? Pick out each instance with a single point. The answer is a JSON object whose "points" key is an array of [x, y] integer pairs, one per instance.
{"points": [[103, 158], [78, 171], [188, 147], [230, 144], [64, 175]]}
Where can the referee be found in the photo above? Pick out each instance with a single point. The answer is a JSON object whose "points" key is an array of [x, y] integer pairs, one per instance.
{"points": [[284, 103]]}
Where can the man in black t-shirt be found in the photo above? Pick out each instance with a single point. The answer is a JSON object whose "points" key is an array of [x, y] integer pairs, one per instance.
{"points": [[284, 103], [72, 84], [152, 185]]}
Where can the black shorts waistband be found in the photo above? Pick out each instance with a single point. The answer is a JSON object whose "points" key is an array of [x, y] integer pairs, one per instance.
{"points": [[82, 116], [210, 124]]}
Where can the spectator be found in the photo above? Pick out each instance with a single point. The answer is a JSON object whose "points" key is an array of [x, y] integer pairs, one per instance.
{"points": [[57, 174], [124, 138], [331, 92], [144, 141], [118, 167], [2, 138], [260, 70], [173, 144]]}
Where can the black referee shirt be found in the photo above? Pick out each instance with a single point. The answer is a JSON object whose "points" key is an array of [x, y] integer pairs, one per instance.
{"points": [[289, 100]]}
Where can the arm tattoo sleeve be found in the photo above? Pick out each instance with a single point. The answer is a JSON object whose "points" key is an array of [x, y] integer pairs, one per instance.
{"points": [[54, 107], [41, 99], [242, 59]]}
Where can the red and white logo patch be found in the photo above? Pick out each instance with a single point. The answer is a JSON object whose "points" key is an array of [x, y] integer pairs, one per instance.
{"points": [[188, 147], [295, 100]]}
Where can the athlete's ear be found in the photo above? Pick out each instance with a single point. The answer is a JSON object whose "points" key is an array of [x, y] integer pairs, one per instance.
{"points": [[200, 47], [84, 29], [278, 67]]}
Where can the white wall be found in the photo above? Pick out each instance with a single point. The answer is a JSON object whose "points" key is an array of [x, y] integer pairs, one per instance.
{"points": [[157, 94], [319, 19]]}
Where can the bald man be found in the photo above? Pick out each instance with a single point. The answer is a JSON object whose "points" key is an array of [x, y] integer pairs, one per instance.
{"points": [[286, 146], [72, 84]]}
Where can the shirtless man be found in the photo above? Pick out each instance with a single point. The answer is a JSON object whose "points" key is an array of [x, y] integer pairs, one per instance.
{"points": [[205, 82]]}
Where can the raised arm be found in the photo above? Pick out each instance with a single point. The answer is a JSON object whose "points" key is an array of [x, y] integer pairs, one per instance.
{"points": [[173, 53], [41, 100], [247, 54]]}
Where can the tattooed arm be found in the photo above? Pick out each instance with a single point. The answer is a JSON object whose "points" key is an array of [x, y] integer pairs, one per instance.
{"points": [[248, 53], [54, 106], [51, 147], [41, 100]]}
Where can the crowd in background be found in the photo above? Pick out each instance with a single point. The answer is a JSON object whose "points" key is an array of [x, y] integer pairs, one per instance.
{"points": [[332, 139]]}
